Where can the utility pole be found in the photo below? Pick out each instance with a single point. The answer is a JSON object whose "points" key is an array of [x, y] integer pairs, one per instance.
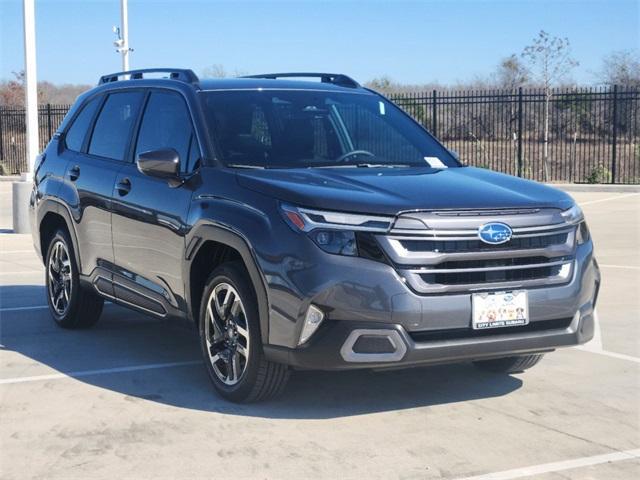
{"points": [[122, 35], [31, 83], [21, 190]]}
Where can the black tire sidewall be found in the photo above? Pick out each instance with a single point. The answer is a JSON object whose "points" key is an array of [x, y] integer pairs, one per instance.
{"points": [[237, 277]]}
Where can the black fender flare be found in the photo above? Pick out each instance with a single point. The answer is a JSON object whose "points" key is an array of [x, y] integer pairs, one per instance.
{"points": [[202, 233], [54, 206]]}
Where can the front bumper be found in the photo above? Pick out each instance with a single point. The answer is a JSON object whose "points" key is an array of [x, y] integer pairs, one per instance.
{"points": [[327, 351], [431, 328]]}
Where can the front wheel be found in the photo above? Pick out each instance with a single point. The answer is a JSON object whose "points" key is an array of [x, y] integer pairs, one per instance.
{"points": [[509, 364], [231, 342]]}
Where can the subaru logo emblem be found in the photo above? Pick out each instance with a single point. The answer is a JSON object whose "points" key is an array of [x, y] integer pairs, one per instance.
{"points": [[494, 233]]}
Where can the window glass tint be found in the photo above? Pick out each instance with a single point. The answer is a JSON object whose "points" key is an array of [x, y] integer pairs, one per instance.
{"points": [[76, 134], [285, 129], [113, 127], [166, 124]]}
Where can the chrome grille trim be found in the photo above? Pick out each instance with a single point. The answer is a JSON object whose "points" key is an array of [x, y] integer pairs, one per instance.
{"points": [[425, 270], [430, 267]]}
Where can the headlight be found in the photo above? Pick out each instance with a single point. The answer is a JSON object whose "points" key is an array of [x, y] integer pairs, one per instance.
{"points": [[333, 232], [341, 242], [573, 215]]}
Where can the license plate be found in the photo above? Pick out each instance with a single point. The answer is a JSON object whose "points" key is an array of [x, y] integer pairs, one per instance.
{"points": [[499, 309]]}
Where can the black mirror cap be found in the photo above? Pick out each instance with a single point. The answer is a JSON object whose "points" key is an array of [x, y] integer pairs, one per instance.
{"points": [[162, 163]]}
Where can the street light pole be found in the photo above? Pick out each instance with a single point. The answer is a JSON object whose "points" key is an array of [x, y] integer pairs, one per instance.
{"points": [[31, 83], [124, 20], [21, 190]]}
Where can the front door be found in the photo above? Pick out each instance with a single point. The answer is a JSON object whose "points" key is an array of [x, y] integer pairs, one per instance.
{"points": [[94, 158], [149, 215]]}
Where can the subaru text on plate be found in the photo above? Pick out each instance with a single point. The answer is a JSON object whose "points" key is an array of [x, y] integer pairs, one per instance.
{"points": [[302, 225]]}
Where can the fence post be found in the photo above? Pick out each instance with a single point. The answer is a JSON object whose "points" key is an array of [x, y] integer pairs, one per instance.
{"points": [[49, 132], [434, 118], [519, 172], [615, 135], [1, 135]]}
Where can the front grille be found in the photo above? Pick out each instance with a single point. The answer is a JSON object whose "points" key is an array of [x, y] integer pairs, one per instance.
{"points": [[523, 243], [446, 256], [468, 278], [463, 333]]}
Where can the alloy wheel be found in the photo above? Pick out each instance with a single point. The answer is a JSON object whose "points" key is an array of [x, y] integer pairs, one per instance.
{"points": [[59, 278], [227, 334]]}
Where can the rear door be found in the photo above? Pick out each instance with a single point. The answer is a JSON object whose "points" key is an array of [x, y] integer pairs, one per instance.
{"points": [[149, 216], [97, 153]]}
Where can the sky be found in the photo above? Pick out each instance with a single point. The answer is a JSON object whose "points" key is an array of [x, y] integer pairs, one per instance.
{"points": [[410, 41]]}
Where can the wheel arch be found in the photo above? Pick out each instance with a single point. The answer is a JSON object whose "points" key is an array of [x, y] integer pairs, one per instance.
{"points": [[51, 216], [209, 246]]}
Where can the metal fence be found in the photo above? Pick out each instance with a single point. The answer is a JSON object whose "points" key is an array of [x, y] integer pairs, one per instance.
{"points": [[593, 133], [13, 141]]}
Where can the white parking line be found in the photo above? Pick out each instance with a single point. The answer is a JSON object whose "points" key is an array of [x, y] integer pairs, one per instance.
{"points": [[33, 307], [617, 197], [595, 345], [103, 371], [558, 466], [630, 267], [18, 309]]}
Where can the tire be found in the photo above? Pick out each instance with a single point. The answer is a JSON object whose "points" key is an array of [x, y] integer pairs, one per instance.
{"points": [[76, 306], [509, 364], [237, 329]]}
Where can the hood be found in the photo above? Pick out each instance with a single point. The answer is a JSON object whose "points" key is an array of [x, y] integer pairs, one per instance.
{"points": [[392, 190]]}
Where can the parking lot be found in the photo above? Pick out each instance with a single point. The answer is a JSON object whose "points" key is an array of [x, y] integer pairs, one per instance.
{"points": [[131, 399]]}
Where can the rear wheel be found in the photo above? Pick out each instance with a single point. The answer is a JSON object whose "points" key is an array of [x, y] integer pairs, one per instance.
{"points": [[231, 342], [509, 364], [70, 304]]}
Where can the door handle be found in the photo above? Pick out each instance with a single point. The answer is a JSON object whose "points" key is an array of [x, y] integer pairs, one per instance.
{"points": [[74, 173], [123, 187]]}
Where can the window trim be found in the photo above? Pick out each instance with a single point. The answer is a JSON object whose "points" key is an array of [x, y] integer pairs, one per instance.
{"points": [[107, 94], [137, 126], [89, 129]]}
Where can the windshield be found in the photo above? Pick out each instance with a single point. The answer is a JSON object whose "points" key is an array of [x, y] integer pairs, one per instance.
{"points": [[301, 129]]}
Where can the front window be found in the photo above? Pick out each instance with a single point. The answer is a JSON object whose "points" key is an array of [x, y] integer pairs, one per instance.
{"points": [[301, 129]]}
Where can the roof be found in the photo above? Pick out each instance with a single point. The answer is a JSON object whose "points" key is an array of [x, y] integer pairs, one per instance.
{"points": [[331, 82], [276, 84]]}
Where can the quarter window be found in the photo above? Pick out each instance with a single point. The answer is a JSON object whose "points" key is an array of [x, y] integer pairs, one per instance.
{"points": [[76, 134], [167, 124], [113, 126]]}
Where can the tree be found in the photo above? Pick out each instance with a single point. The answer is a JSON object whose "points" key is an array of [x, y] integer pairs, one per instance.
{"points": [[215, 71], [550, 60], [512, 73], [621, 68]]}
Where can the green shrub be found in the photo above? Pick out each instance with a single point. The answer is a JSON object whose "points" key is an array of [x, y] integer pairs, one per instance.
{"points": [[600, 174]]}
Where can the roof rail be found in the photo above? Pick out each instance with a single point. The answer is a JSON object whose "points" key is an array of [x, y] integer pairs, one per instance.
{"points": [[182, 74], [334, 78]]}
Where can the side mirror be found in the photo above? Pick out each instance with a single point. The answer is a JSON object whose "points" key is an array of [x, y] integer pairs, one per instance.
{"points": [[454, 154], [163, 163]]}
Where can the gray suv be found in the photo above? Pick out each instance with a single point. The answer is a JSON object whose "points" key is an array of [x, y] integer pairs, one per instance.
{"points": [[302, 225]]}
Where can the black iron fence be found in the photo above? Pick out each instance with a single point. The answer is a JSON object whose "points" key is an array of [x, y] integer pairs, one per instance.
{"points": [[13, 136], [592, 134], [579, 135]]}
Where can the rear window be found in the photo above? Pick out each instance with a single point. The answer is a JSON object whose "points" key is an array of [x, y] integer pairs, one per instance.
{"points": [[76, 134], [113, 127]]}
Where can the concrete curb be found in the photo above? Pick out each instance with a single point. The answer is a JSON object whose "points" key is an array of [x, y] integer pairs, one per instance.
{"points": [[597, 187], [10, 178]]}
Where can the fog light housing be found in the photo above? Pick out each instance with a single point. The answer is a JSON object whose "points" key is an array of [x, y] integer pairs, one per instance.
{"points": [[312, 321]]}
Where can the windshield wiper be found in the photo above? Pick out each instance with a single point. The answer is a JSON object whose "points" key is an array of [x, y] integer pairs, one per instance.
{"points": [[240, 165], [364, 165]]}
